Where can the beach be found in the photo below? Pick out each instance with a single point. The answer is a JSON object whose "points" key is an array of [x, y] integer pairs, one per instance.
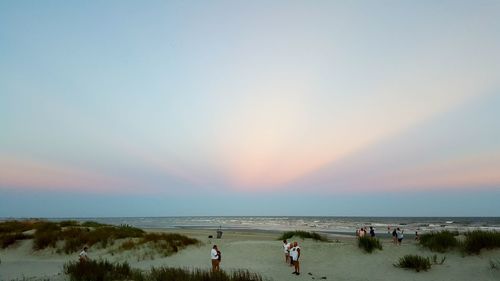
{"points": [[260, 251]]}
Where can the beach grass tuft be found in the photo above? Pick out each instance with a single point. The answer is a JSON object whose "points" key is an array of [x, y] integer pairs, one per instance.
{"points": [[439, 241], [477, 240], [103, 271], [303, 234], [415, 262], [369, 244]]}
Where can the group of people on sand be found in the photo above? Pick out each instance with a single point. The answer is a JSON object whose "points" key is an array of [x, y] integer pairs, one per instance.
{"points": [[292, 255], [361, 232], [397, 236]]}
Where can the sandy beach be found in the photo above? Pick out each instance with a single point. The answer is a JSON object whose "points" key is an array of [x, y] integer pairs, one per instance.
{"points": [[261, 252]]}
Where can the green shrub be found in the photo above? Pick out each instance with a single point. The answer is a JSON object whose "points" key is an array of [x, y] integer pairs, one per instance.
{"points": [[303, 234], [15, 226], [100, 271], [47, 234], [414, 262], [8, 239], [106, 271], [93, 224], [439, 241], [477, 240], [164, 243], [179, 274], [369, 244]]}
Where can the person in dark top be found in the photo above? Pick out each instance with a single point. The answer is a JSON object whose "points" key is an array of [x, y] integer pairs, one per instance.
{"points": [[395, 236], [372, 232]]}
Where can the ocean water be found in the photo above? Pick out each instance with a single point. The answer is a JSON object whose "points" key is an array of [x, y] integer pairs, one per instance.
{"points": [[333, 225]]}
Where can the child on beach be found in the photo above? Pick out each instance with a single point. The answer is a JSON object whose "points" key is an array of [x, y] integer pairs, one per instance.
{"points": [[83, 256]]}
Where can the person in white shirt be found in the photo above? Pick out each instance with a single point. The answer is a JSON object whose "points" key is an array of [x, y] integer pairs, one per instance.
{"points": [[83, 255], [215, 257], [295, 255], [286, 249], [399, 234]]}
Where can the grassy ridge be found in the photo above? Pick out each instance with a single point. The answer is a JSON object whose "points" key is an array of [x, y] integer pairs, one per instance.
{"points": [[71, 236], [303, 234], [474, 241], [477, 240], [104, 271]]}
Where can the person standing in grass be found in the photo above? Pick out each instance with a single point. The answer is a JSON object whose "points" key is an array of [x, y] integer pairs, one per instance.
{"points": [[215, 257], [295, 255], [83, 256], [286, 249]]}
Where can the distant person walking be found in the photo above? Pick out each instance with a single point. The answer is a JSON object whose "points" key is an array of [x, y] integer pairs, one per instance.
{"points": [[286, 249], [83, 256], [372, 231], [417, 237], [215, 256], [400, 236], [295, 255]]}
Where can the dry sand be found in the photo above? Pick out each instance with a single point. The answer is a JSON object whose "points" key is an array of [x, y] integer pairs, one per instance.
{"points": [[261, 252]]}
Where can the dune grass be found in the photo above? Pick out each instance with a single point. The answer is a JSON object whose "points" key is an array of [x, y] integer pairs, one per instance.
{"points": [[477, 240], [104, 271], [441, 242], [369, 244], [101, 271], [303, 234], [415, 262], [164, 243], [70, 236]]}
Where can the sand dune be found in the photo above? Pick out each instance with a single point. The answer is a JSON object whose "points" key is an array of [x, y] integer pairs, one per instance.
{"points": [[261, 252]]}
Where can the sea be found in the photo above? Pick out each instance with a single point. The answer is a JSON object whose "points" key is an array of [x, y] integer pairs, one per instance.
{"points": [[333, 225]]}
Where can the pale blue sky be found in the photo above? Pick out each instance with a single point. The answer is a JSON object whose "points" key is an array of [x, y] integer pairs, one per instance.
{"points": [[333, 105]]}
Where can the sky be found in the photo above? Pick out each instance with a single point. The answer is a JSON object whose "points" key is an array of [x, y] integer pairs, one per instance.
{"points": [[177, 108]]}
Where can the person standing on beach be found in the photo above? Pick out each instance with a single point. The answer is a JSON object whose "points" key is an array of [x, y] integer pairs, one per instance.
{"points": [[286, 249], [372, 231], [400, 236], [295, 255], [215, 256], [395, 236]]}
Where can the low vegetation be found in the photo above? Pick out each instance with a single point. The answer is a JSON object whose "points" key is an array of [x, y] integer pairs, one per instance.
{"points": [[439, 241], [71, 236], [101, 271], [369, 244], [415, 262], [477, 240], [104, 270], [165, 243], [8, 239], [303, 234]]}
